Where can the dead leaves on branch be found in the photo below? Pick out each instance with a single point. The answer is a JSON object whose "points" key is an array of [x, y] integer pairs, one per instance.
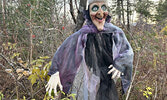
{"points": [[34, 71]]}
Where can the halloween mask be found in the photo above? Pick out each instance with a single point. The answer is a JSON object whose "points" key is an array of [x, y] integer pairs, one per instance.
{"points": [[98, 14]]}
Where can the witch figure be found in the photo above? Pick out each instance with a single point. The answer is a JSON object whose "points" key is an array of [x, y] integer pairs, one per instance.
{"points": [[100, 51]]}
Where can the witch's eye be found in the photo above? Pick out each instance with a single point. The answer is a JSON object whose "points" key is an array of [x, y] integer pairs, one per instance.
{"points": [[103, 7], [95, 8]]}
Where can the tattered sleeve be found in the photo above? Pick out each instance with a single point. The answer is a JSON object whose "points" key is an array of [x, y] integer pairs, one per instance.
{"points": [[123, 57], [67, 60]]}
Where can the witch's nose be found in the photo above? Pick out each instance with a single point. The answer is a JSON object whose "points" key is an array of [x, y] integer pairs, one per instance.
{"points": [[100, 13]]}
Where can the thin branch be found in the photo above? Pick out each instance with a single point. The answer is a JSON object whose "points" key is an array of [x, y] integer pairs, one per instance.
{"points": [[50, 29], [2, 66], [39, 91], [72, 11], [13, 93], [36, 93], [76, 5], [156, 89], [10, 63], [80, 86], [133, 77], [143, 77], [139, 54], [45, 29]]}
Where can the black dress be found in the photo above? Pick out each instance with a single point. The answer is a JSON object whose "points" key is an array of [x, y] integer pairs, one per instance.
{"points": [[98, 57]]}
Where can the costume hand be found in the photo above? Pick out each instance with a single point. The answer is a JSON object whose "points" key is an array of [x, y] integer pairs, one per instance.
{"points": [[53, 82], [115, 73]]}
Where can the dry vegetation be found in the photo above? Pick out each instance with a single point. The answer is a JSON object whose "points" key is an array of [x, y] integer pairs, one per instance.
{"points": [[30, 35]]}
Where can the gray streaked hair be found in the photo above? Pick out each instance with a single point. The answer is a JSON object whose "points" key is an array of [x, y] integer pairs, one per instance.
{"points": [[91, 1]]}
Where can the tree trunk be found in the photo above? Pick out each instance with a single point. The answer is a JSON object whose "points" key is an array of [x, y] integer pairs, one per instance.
{"points": [[64, 11], [53, 14], [123, 16], [119, 10], [64, 15], [4, 18], [128, 15], [0, 15], [72, 11], [80, 17]]}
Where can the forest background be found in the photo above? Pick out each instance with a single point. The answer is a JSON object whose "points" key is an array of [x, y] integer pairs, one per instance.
{"points": [[32, 30]]}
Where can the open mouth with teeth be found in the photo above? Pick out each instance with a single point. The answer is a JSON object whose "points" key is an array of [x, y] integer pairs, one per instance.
{"points": [[99, 19]]}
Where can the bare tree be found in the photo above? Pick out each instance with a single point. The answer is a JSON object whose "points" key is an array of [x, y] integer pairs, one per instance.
{"points": [[72, 11], [128, 15], [80, 18], [4, 17], [119, 10], [122, 7], [0, 16]]}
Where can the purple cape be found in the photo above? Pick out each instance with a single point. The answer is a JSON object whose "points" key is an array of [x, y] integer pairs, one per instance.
{"points": [[70, 54]]}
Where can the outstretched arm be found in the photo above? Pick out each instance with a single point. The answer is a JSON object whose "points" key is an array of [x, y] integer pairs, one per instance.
{"points": [[123, 58], [66, 62]]}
